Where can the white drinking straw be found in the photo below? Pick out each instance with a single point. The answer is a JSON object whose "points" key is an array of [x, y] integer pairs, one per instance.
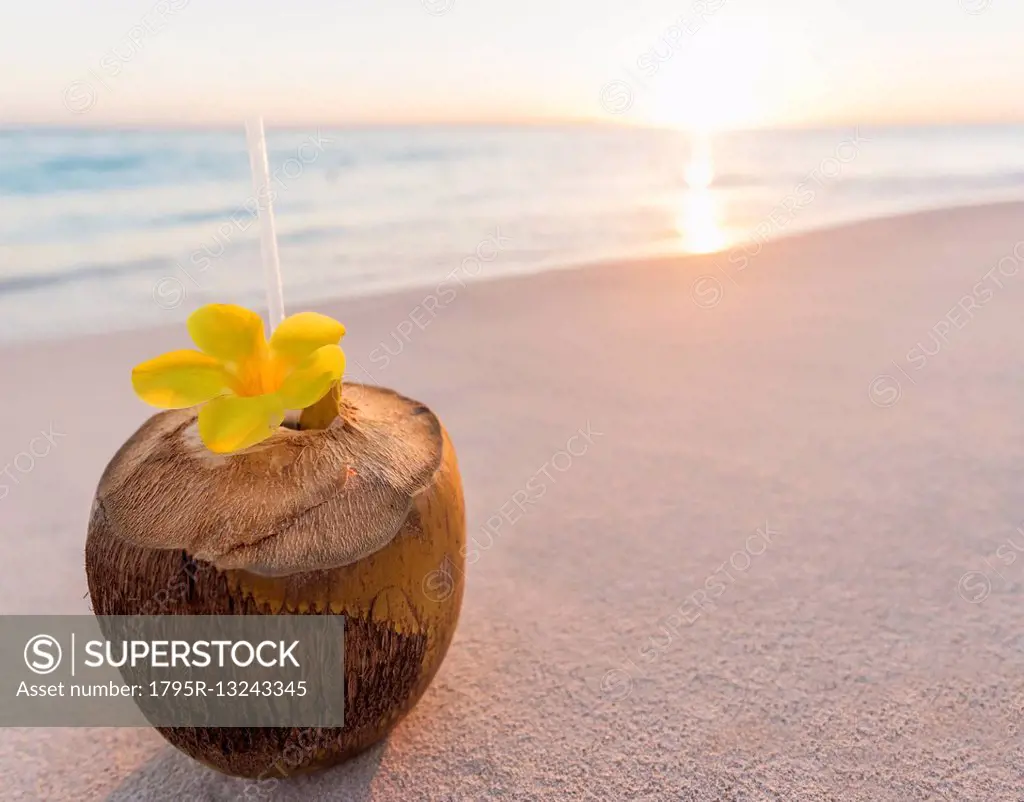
{"points": [[257, 141]]}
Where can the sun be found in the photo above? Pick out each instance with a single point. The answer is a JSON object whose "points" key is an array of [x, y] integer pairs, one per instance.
{"points": [[723, 77], [709, 84]]}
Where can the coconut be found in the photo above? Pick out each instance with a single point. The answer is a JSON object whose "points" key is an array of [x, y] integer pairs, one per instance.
{"points": [[364, 518]]}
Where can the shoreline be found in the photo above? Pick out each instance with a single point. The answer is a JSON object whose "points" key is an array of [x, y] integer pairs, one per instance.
{"points": [[656, 257]]}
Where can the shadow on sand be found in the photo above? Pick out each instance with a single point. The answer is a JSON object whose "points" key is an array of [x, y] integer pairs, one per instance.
{"points": [[171, 776]]}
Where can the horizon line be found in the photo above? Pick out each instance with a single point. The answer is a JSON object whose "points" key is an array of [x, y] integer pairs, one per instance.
{"points": [[129, 125]]}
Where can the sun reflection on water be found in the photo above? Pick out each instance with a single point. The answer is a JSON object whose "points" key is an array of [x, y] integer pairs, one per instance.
{"points": [[698, 222]]}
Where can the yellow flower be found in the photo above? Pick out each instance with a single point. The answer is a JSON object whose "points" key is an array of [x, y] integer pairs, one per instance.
{"points": [[244, 382]]}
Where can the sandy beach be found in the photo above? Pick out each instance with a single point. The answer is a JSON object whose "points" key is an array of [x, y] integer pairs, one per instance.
{"points": [[767, 505]]}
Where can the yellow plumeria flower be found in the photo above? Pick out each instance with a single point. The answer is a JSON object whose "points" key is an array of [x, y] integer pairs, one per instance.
{"points": [[244, 382]]}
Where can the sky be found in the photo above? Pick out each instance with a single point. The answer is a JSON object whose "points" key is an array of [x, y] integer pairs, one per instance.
{"points": [[703, 64]]}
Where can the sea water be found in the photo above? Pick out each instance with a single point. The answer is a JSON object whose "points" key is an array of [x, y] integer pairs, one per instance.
{"points": [[114, 229]]}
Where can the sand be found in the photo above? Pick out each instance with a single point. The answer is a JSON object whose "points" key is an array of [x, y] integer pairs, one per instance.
{"points": [[765, 573]]}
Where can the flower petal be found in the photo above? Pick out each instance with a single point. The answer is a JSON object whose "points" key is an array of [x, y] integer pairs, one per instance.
{"points": [[230, 333], [179, 379], [232, 422], [313, 377], [301, 334]]}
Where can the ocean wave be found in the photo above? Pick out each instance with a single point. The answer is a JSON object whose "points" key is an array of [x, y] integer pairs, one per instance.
{"points": [[93, 164], [310, 234], [892, 181], [191, 218], [76, 173], [10, 285], [919, 183], [414, 154], [739, 181]]}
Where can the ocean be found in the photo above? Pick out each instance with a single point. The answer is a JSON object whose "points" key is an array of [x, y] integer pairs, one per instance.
{"points": [[109, 229]]}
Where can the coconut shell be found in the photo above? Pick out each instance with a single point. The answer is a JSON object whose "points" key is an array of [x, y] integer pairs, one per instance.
{"points": [[365, 519]]}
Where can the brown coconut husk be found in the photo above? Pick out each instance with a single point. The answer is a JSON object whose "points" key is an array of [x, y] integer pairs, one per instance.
{"points": [[299, 501], [365, 518]]}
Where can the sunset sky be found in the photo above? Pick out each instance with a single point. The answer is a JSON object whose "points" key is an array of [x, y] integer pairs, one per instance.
{"points": [[739, 63]]}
